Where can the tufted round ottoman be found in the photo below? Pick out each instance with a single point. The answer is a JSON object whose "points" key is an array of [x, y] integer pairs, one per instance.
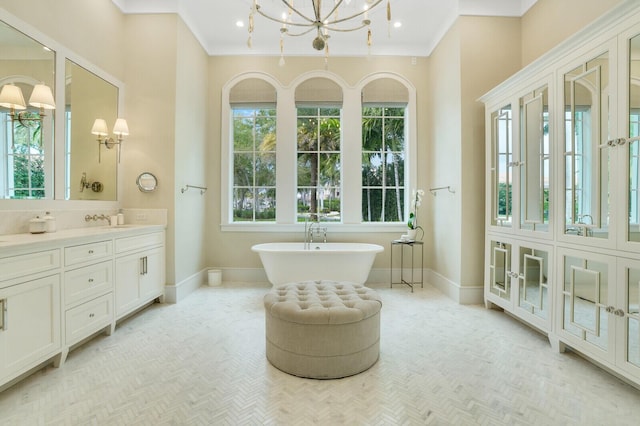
{"points": [[322, 329]]}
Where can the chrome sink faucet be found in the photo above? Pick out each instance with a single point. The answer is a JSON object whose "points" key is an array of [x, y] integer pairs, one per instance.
{"points": [[95, 217]]}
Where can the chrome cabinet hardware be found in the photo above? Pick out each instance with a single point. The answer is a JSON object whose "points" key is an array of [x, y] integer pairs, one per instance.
{"points": [[143, 266], [3, 314]]}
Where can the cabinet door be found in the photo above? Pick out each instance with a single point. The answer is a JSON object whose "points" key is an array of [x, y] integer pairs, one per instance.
{"points": [[534, 284], [588, 98], [628, 313], [586, 296], [534, 162], [501, 158], [29, 325], [498, 287], [629, 148], [151, 280], [127, 288]]}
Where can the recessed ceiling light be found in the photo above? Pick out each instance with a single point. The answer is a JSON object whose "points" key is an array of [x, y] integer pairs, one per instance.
{"points": [[397, 24], [239, 24]]}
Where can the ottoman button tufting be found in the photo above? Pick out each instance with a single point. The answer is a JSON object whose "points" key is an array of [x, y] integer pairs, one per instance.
{"points": [[322, 329]]}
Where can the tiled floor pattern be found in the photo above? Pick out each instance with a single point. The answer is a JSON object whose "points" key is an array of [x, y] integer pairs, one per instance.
{"points": [[202, 362]]}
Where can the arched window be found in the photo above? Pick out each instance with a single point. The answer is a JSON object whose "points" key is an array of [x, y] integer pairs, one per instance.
{"points": [[253, 110], [340, 154], [384, 178], [318, 144]]}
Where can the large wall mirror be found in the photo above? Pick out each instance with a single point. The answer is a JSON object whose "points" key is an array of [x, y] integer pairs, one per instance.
{"points": [[26, 137], [87, 98], [81, 168]]}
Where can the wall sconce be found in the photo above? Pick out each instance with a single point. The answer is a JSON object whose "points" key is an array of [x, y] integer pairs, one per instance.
{"points": [[41, 97], [120, 129]]}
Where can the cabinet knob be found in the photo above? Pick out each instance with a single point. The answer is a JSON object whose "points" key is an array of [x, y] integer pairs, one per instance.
{"points": [[90, 280], [618, 312], [91, 315], [90, 251]]}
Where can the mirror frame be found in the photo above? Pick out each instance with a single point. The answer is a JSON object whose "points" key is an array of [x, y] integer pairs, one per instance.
{"points": [[147, 182], [62, 54]]}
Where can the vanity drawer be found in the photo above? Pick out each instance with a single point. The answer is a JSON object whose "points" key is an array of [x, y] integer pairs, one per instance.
{"points": [[30, 263], [139, 242], [74, 255], [85, 319], [88, 282]]}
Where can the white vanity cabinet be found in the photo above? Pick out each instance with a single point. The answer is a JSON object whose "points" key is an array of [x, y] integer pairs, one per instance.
{"points": [[30, 331], [58, 290], [563, 193], [87, 291], [139, 272]]}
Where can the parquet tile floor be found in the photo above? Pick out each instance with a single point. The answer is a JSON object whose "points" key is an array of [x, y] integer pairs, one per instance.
{"points": [[202, 362]]}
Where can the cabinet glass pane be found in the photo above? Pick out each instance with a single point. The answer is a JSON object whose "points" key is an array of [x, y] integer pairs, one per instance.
{"points": [[587, 152], [534, 160], [633, 315], [500, 269], [533, 281], [634, 132], [501, 167], [585, 292]]}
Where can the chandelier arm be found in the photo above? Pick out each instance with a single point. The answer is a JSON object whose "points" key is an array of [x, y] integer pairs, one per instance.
{"points": [[291, 8], [335, 7], [345, 30], [355, 15], [290, 34]]}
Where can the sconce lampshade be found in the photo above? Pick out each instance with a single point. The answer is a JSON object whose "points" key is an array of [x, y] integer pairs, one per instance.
{"points": [[121, 128], [41, 97], [11, 97], [99, 127]]}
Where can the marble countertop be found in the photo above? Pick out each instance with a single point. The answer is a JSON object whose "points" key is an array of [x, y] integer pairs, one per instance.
{"points": [[10, 242]]}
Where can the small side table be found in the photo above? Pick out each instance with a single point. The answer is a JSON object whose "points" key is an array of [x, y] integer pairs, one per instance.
{"points": [[410, 244]]}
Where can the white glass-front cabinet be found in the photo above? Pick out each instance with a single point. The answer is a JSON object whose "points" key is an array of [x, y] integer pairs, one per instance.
{"points": [[589, 148], [519, 278], [563, 193], [519, 162], [599, 302]]}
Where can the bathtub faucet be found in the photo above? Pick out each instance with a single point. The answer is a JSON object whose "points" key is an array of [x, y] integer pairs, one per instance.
{"points": [[317, 231], [312, 230]]}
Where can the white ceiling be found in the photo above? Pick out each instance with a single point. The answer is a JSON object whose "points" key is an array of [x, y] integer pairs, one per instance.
{"points": [[424, 22]]}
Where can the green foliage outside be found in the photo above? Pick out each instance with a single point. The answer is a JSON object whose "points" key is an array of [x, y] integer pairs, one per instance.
{"points": [[319, 163], [26, 160]]}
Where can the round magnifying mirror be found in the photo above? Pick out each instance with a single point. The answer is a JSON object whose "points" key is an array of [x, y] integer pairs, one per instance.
{"points": [[147, 182]]}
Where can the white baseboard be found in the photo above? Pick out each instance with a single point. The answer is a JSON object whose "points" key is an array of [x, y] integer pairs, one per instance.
{"points": [[177, 292], [464, 295]]}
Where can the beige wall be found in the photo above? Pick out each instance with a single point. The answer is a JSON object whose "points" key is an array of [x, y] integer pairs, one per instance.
{"points": [[190, 152], [489, 54], [233, 249], [92, 29], [443, 161], [548, 22]]}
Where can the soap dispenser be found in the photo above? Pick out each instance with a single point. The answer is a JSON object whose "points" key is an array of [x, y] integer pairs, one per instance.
{"points": [[120, 217], [50, 221]]}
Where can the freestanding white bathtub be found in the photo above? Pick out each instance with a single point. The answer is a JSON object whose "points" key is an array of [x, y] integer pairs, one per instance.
{"points": [[291, 262]]}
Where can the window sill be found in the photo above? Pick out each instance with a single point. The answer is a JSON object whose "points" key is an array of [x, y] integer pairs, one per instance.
{"points": [[299, 227]]}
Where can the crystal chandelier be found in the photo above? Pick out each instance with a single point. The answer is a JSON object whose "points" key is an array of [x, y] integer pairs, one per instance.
{"points": [[322, 17]]}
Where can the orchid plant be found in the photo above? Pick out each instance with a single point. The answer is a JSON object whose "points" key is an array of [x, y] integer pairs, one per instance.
{"points": [[416, 200]]}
